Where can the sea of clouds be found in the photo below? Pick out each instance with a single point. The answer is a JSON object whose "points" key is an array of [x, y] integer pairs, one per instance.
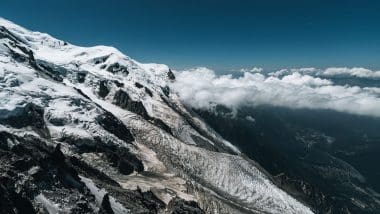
{"points": [[357, 72], [293, 88]]}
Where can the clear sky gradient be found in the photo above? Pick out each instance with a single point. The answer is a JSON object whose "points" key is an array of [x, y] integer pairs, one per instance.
{"points": [[219, 34]]}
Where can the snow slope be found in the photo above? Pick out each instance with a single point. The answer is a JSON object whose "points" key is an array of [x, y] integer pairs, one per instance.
{"points": [[182, 156]]}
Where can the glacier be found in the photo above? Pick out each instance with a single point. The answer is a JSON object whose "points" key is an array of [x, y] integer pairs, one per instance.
{"points": [[95, 104]]}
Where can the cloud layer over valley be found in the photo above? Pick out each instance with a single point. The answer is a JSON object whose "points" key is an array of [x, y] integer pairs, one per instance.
{"points": [[293, 88]]}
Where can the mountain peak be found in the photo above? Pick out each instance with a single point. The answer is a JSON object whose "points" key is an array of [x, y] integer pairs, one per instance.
{"points": [[125, 140]]}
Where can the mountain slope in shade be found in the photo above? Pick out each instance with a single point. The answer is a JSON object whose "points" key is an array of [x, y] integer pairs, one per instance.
{"points": [[88, 129]]}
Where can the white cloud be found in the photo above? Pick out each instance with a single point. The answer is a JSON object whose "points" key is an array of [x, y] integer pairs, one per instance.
{"points": [[202, 88], [333, 71], [300, 79], [356, 72], [252, 70]]}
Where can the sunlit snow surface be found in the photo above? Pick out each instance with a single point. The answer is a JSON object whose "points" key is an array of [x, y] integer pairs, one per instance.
{"points": [[227, 175]]}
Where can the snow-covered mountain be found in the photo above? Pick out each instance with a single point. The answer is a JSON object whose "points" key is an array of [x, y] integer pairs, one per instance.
{"points": [[90, 130]]}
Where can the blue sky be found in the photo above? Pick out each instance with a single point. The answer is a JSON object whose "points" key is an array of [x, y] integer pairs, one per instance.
{"points": [[219, 34]]}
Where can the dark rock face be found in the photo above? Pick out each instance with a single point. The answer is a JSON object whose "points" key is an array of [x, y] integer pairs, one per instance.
{"points": [[100, 60], [106, 205], [81, 77], [54, 72], [103, 89], [118, 84], [123, 100], [149, 200], [46, 69], [180, 206], [31, 115], [125, 167], [65, 172], [4, 33], [136, 201], [18, 57], [166, 90], [125, 161], [138, 85], [171, 75], [118, 157], [34, 116], [148, 91], [32, 167], [110, 123], [117, 68], [159, 123], [81, 93], [91, 172], [12, 202]]}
